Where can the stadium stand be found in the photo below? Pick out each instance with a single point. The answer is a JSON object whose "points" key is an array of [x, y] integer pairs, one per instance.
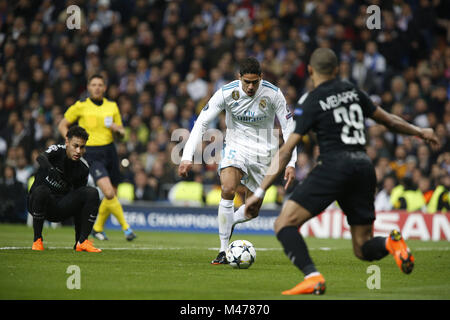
{"points": [[164, 59], [125, 191], [187, 193], [213, 196]]}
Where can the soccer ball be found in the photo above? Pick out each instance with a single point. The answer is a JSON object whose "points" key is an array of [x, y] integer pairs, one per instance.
{"points": [[241, 254]]}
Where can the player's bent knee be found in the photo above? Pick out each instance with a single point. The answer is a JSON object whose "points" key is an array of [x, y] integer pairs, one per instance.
{"points": [[91, 193], [280, 223], [228, 192], [41, 191], [292, 214], [277, 226], [109, 194], [106, 187]]}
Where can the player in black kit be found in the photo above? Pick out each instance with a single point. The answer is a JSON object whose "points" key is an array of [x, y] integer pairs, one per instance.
{"points": [[335, 110], [60, 190]]}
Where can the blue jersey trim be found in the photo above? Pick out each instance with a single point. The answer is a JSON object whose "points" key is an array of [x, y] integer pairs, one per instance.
{"points": [[269, 85], [231, 85]]}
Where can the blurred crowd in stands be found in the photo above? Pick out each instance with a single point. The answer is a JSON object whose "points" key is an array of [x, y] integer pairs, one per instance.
{"points": [[164, 59]]}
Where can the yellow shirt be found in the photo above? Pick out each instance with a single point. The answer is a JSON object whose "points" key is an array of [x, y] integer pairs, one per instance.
{"points": [[95, 119]]}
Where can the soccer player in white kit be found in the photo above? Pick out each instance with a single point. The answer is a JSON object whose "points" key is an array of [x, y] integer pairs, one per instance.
{"points": [[251, 105]]}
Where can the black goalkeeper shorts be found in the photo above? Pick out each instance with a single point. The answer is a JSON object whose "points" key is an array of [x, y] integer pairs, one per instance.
{"points": [[346, 177]]}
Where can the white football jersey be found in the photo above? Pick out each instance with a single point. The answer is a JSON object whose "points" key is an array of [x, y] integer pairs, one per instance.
{"points": [[249, 120]]}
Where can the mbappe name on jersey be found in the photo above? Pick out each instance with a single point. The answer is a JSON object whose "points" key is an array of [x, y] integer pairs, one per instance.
{"points": [[336, 100]]}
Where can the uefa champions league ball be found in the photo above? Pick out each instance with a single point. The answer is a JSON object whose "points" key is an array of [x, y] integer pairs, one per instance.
{"points": [[241, 254]]}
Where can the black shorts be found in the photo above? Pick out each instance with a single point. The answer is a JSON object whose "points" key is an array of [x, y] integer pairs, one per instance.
{"points": [[103, 162], [346, 177]]}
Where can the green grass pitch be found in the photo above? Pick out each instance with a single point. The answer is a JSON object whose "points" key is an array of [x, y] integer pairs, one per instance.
{"points": [[176, 266]]}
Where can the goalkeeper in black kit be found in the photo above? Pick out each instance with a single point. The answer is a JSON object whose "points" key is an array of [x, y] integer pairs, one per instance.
{"points": [[60, 190]]}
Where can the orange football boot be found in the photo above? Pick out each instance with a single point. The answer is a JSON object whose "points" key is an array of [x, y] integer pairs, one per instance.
{"points": [[398, 248], [311, 285], [87, 246], [38, 245]]}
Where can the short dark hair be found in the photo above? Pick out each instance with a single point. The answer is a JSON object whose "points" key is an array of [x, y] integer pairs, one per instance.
{"points": [[96, 76], [249, 65], [77, 131], [324, 61]]}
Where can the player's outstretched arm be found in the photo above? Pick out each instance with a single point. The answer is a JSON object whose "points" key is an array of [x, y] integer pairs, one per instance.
{"points": [[184, 168], [211, 111], [63, 127], [287, 124], [283, 156], [397, 124], [278, 164], [118, 129], [289, 176], [53, 173], [43, 161]]}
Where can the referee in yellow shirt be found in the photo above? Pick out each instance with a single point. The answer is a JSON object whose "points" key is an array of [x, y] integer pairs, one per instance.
{"points": [[101, 119]]}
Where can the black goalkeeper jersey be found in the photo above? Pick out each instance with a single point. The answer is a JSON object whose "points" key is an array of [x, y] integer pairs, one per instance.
{"points": [[336, 112], [73, 173]]}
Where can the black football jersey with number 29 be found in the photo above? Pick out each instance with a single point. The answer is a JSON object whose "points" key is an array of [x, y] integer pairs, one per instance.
{"points": [[336, 111]]}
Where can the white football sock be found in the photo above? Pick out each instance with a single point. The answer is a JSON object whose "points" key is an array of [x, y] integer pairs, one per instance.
{"points": [[225, 219], [238, 216]]}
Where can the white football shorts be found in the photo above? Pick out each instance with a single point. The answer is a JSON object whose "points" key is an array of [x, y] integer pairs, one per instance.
{"points": [[253, 165]]}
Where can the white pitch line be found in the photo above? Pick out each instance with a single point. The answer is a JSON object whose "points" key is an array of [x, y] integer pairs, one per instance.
{"points": [[52, 248], [215, 249], [258, 249], [278, 249]]}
